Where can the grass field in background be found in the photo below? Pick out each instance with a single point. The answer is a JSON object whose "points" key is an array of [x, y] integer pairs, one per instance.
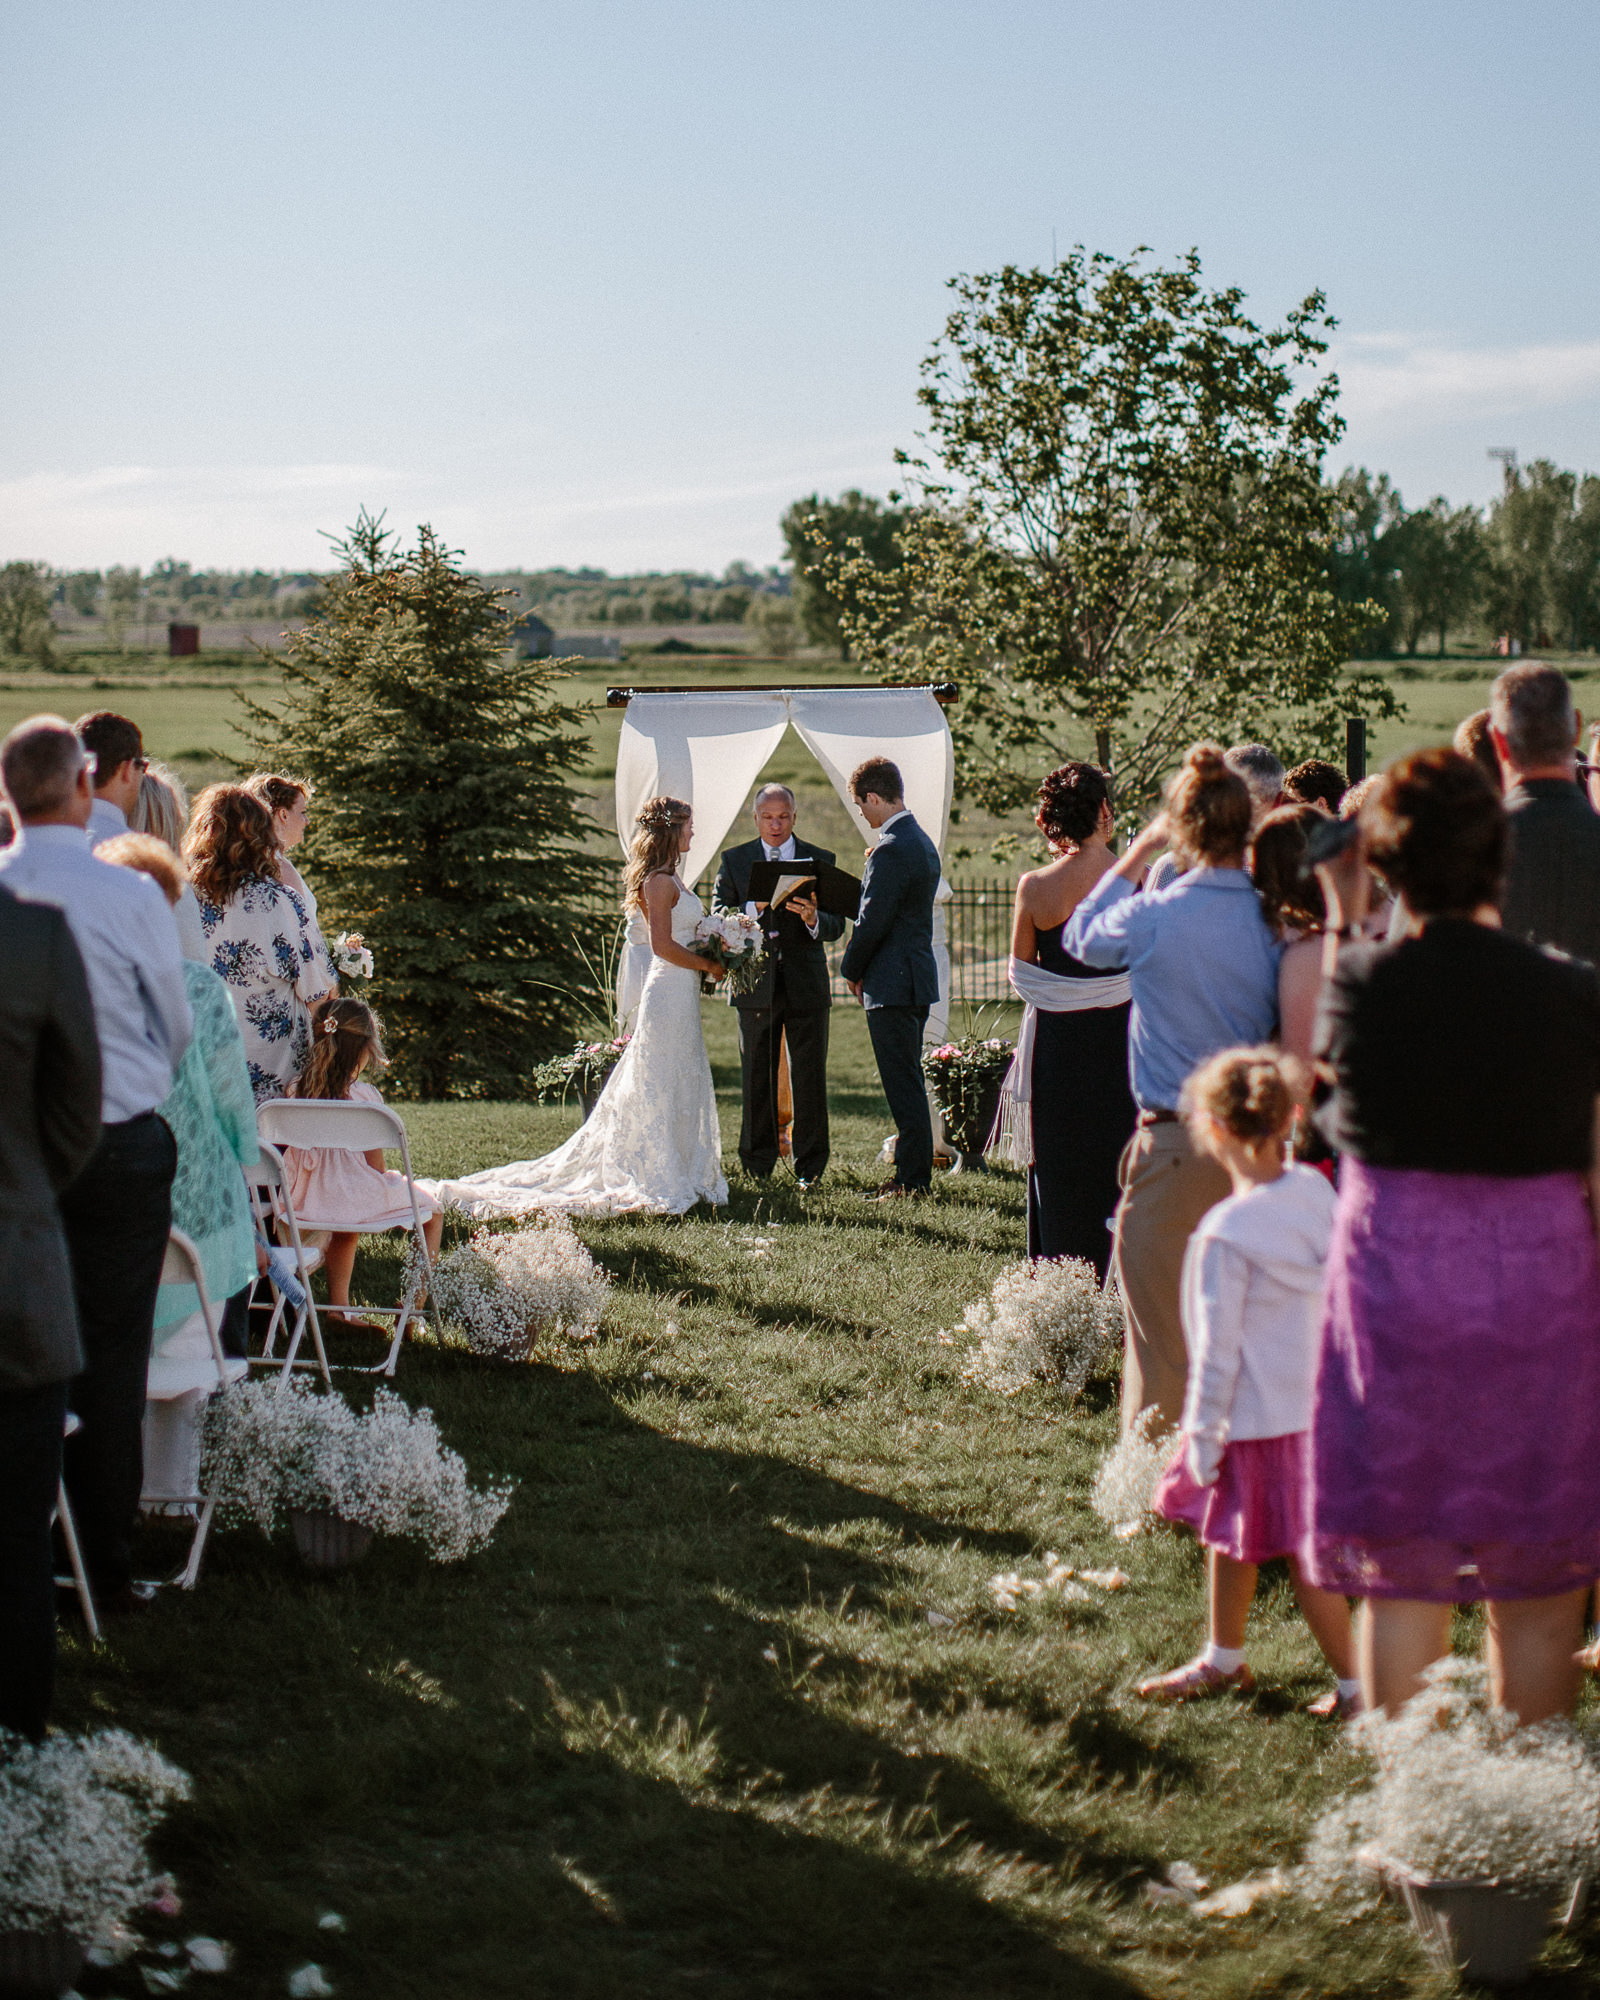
{"points": [[189, 714], [727, 1709]]}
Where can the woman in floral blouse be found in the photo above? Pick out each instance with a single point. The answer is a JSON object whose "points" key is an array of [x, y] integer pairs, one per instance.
{"points": [[260, 937]]}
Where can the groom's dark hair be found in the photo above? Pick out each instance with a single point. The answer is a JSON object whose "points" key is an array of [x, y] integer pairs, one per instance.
{"points": [[877, 775]]}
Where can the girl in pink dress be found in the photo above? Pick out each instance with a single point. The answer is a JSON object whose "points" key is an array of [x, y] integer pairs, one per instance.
{"points": [[1252, 1292], [348, 1193]]}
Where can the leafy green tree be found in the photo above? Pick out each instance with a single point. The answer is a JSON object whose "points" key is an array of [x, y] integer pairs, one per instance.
{"points": [[446, 830], [819, 534], [774, 623], [1575, 580], [83, 591], [1123, 536], [1442, 561], [1364, 560], [26, 630], [1525, 531]]}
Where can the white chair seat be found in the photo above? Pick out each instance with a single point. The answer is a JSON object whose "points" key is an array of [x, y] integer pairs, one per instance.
{"points": [[176, 1375]]}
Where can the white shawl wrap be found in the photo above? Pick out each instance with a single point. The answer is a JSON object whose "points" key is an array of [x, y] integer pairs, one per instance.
{"points": [[1042, 992]]}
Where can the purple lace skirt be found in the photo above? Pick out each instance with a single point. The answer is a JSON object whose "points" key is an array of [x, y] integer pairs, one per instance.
{"points": [[1455, 1441], [1254, 1510]]}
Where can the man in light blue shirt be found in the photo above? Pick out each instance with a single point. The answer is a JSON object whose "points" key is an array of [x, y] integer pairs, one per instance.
{"points": [[118, 1212], [1203, 965]]}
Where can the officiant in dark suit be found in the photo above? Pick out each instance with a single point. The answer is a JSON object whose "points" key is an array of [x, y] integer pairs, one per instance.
{"points": [[890, 967], [791, 1002]]}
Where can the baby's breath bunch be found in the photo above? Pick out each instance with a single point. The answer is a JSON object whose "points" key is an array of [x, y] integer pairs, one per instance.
{"points": [[1046, 1321], [508, 1290], [1125, 1481], [74, 1816], [268, 1452], [1460, 1792]]}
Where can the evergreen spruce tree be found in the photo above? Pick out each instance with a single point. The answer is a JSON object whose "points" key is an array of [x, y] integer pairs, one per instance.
{"points": [[444, 828]]}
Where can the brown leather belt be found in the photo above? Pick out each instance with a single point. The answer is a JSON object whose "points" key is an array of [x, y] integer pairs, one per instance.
{"points": [[1158, 1118]]}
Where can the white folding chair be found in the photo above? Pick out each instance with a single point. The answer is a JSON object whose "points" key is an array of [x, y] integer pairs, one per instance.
{"points": [[186, 1370], [271, 1202], [79, 1579], [320, 1124]]}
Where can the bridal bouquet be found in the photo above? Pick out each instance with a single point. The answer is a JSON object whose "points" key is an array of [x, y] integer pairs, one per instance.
{"points": [[351, 958], [731, 939]]}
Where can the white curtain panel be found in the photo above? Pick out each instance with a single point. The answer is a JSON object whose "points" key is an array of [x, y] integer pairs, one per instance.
{"points": [[710, 749]]}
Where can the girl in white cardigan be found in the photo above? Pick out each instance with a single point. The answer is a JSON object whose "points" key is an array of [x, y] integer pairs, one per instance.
{"points": [[1252, 1293]]}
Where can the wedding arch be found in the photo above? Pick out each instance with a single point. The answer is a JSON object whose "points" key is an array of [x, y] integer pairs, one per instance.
{"points": [[709, 745]]}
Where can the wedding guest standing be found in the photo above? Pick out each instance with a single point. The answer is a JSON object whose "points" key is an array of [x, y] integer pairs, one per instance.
{"points": [[791, 1004], [289, 803], [1473, 740], [259, 937], [49, 1126], [1456, 1427], [1552, 893], [117, 749], [1203, 965], [1316, 782], [118, 1210], [211, 1114], [889, 964], [1067, 1103]]}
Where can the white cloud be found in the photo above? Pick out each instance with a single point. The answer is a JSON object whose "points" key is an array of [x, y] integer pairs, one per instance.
{"points": [[1390, 381], [240, 516]]}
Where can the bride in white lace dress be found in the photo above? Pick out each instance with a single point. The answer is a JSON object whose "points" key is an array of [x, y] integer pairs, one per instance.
{"points": [[652, 1141]]}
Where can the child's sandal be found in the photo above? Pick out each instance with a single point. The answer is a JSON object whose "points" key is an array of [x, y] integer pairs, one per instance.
{"points": [[1196, 1682]]}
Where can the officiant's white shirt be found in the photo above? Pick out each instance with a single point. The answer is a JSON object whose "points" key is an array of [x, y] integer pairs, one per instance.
{"points": [[786, 852]]}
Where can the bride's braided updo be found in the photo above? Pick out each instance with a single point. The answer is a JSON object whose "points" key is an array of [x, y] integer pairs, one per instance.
{"points": [[655, 848]]}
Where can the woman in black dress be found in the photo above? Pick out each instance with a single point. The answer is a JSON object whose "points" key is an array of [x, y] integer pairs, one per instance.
{"points": [[1072, 1058]]}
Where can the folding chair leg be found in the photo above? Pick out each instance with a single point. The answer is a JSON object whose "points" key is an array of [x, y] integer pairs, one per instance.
{"points": [[80, 1576], [197, 1548]]}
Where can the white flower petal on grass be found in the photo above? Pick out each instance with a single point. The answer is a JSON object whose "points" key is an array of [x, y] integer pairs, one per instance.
{"points": [[1240, 1898], [309, 1982], [1125, 1482], [330, 1920], [208, 1954], [1046, 1321]]}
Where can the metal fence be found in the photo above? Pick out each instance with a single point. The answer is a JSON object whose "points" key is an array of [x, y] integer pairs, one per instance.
{"points": [[977, 928]]}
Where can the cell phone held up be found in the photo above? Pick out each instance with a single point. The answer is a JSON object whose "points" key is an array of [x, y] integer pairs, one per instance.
{"points": [[1327, 840]]}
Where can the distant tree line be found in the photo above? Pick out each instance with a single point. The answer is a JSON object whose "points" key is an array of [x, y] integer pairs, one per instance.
{"points": [[1526, 569], [567, 597]]}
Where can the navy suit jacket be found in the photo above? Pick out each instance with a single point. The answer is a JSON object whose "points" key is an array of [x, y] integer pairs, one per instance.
{"points": [[890, 952]]}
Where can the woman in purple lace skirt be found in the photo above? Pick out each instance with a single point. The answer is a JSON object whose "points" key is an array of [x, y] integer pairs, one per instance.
{"points": [[1456, 1430]]}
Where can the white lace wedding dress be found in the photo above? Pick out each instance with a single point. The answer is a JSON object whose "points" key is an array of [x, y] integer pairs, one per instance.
{"points": [[652, 1141]]}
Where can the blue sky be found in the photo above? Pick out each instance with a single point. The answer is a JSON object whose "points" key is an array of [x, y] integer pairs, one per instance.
{"points": [[612, 283]]}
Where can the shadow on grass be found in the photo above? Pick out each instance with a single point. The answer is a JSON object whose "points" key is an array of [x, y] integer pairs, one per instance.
{"points": [[385, 1742]]}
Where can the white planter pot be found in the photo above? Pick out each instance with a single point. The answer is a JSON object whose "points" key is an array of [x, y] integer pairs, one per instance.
{"points": [[1486, 1932], [38, 1962], [329, 1541]]}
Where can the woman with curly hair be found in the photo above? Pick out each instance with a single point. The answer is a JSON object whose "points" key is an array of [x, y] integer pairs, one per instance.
{"points": [[259, 936], [1067, 1110], [652, 1143]]}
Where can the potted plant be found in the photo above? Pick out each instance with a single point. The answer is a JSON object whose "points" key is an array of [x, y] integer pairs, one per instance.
{"points": [[504, 1292], [966, 1077], [280, 1448], [581, 1072], [1044, 1321], [74, 1816], [1489, 1831]]}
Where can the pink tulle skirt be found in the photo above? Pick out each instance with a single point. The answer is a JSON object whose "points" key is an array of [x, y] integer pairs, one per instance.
{"points": [[1256, 1507]]}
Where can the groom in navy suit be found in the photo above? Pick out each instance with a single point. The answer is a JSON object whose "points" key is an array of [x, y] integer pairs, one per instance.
{"points": [[889, 964]]}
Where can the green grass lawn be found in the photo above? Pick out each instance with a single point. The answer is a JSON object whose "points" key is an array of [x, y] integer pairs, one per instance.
{"points": [[726, 1709]]}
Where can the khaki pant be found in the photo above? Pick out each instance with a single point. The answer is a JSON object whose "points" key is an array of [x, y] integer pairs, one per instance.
{"points": [[1166, 1187]]}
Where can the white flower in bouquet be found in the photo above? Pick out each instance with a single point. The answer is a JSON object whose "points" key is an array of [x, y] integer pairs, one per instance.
{"points": [[352, 959], [1461, 1792], [734, 940], [271, 1449], [505, 1291], [1046, 1321], [74, 1816], [1125, 1481]]}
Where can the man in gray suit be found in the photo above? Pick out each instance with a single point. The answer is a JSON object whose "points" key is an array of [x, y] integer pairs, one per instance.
{"points": [[889, 964], [49, 1126], [1552, 893]]}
